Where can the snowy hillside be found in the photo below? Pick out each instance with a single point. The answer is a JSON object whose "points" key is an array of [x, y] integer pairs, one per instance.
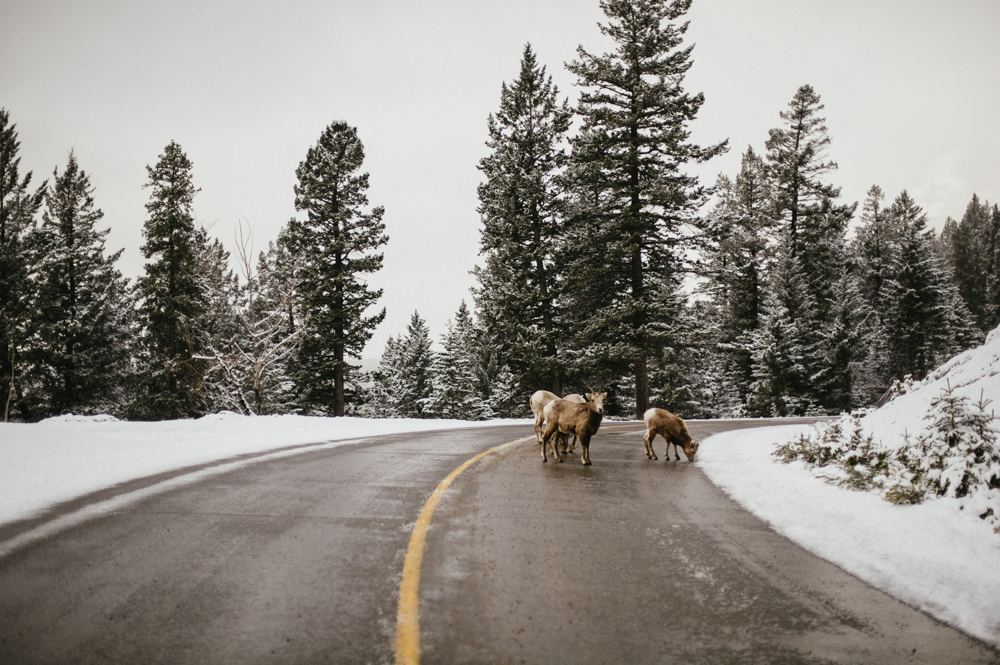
{"points": [[935, 552], [971, 374]]}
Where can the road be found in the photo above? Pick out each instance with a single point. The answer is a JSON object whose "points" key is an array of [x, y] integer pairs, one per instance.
{"points": [[299, 560]]}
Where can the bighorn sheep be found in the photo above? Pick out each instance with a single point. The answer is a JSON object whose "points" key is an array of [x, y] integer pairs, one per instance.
{"points": [[581, 420], [538, 400], [672, 429], [563, 439]]}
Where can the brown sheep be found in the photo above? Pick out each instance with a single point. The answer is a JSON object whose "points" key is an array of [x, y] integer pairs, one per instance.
{"points": [[672, 429], [538, 400], [565, 445], [581, 420]]}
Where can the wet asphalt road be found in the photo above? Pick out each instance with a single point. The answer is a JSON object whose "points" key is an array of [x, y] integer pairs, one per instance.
{"points": [[298, 560]]}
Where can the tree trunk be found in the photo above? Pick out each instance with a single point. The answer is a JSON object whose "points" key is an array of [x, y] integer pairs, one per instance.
{"points": [[338, 382], [641, 387]]}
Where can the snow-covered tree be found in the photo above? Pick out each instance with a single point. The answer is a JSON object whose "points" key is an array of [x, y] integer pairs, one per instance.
{"points": [[387, 384], [737, 263], [339, 241], [924, 323], [455, 393], [788, 351], [974, 255], [520, 208], [217, 330], [171, 292], [18, 206], [630, 161], [81, 317]]}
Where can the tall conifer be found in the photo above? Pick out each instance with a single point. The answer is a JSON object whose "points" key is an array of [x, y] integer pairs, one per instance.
{"points": [[18, 206], [172, 296], [630, 159], [339, 242], [520, 208], [82, 308]]}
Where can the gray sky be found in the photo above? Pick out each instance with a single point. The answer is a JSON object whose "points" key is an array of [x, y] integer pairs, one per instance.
{"points": [[910, 88]]}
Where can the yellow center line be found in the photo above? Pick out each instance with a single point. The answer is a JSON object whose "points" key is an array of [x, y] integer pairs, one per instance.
{"points": [[408, 616]]}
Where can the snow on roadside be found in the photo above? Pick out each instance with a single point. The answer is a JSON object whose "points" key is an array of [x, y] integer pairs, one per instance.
{"points": [[64, 458], [931, 556]]}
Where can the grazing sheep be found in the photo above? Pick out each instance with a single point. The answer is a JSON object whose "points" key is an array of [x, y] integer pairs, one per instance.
{"points": [[672, 429], [581, 420], [538, 400]]}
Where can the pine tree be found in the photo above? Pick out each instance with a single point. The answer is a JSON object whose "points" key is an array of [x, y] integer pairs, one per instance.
{"points": [[972, 250], [875, 249], [455, 393], [788, 347], [795, 154], [520, 208], [737, 264], [218, 330], [387, 385], [18, 207], [338, 241], [172, 297], [416, 370], [82, 308], [923, 324], [631, 153], [279, 320], [814, 232]]}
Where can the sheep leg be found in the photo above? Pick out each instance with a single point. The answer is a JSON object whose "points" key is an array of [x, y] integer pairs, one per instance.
{"points": [[677, 455], [539, 419], [585, 448], [550, 431], [648, 442]]}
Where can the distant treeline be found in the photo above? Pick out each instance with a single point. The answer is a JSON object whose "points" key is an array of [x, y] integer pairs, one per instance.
{"points": [[604, 264]]}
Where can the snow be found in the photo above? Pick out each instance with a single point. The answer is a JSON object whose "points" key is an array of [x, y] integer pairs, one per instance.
{"points": [[67, 457], [932, 556]]}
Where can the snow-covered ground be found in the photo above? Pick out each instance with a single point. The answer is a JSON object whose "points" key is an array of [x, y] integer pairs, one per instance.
{"points": [[64, 458], [932, 556]]}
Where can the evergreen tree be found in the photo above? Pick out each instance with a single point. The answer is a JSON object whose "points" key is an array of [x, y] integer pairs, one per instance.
{"points": [[875, 248], [171, 291], [633, 147], [795, 154], [338, 241], [18, 207], [416, 366], [387, 385], [973, 247], [520, 209], [217, 330], [455, 393], [924, 327], [814, 232], [279, 319], [82, 309], [788, 346], [737, 264]]}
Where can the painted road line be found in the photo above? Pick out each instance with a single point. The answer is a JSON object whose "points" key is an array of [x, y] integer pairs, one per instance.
{"points": [[408, 616]]}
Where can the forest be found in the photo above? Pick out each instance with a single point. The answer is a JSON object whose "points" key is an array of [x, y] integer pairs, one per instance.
{"points": [[603, 264]]}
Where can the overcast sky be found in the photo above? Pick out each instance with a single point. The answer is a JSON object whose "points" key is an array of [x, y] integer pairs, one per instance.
{"points": [[910, 88]]}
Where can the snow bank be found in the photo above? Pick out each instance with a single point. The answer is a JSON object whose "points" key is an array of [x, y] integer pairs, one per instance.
{"points": [[63, 458], [931, 556], [971, 374]]}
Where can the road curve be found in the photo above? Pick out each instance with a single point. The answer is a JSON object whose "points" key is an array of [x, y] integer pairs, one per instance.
{"points": [[299, 559]]}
